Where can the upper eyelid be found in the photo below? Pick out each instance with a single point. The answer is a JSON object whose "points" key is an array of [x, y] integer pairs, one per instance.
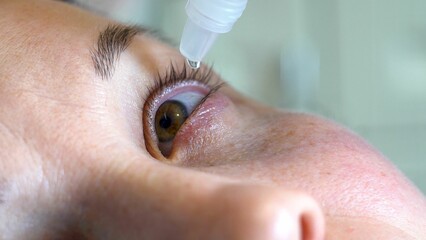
{"points": [[175, 75], [179, 72]]}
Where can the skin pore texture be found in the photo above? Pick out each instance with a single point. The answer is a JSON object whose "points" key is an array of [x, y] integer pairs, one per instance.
{"points": [[74, 162]]}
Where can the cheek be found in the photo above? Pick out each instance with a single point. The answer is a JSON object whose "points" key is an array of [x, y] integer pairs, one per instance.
{"points": [[301, 152]]}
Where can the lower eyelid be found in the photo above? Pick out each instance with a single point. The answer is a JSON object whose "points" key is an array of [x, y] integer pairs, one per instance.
{"points": [[205, 120]]}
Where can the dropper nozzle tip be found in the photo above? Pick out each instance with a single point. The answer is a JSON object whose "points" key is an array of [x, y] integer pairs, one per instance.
{"points": [[193, 64]]}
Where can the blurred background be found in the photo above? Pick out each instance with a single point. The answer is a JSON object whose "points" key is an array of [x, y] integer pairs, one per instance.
{"points": [[359, 62]]}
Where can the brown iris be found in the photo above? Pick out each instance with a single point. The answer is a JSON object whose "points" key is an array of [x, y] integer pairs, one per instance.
{"points": [[168, 119]]}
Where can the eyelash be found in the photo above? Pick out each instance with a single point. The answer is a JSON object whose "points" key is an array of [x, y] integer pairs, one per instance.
{"points": [[175, 76]]}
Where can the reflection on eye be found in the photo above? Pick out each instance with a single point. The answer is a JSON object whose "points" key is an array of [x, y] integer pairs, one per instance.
{"points": [[171, 115]]}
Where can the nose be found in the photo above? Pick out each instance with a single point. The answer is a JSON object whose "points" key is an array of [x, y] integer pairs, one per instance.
{"points": [[155, 201], [258, 212]]}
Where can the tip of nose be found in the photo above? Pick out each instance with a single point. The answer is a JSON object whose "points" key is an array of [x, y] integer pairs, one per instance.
{"points": [[257, 212]]}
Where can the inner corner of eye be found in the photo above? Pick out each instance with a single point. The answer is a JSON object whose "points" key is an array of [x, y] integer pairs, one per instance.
{"points": [[171, 115]]}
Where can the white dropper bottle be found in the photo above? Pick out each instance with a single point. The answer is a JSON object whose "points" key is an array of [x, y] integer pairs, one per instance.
{"points": [[207, 19]]}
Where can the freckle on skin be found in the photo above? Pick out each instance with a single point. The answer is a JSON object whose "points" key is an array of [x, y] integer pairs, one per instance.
{"points": [[290, 133]]}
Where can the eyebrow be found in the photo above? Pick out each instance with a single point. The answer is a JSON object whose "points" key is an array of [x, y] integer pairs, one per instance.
{"points": [[112, 41]]}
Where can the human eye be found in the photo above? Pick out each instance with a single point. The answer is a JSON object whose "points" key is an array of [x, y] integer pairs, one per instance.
{"points": [[172, 100]]}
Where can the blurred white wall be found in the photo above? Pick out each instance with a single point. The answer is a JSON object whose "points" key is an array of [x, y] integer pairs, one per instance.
{"points": [[359, 62]]}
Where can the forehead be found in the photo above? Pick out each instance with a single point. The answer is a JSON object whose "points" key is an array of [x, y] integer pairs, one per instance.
{"points": [[37, 34], [41, 20]]}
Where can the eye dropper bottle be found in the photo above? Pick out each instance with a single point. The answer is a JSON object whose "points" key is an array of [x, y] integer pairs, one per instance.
{"points": [[206, 20]]}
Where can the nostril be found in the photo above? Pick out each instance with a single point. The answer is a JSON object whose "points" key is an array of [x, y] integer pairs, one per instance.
{"points": [[309, 217], [307, 227]]}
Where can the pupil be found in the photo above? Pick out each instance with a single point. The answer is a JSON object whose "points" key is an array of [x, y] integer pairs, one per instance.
{"points": [[165, 122]]}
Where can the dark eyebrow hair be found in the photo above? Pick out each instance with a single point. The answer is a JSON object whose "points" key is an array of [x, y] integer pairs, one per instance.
{"points": [[112, 41]]}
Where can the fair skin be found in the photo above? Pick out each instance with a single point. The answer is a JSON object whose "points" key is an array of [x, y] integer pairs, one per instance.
{"points": [[76, 162]]}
